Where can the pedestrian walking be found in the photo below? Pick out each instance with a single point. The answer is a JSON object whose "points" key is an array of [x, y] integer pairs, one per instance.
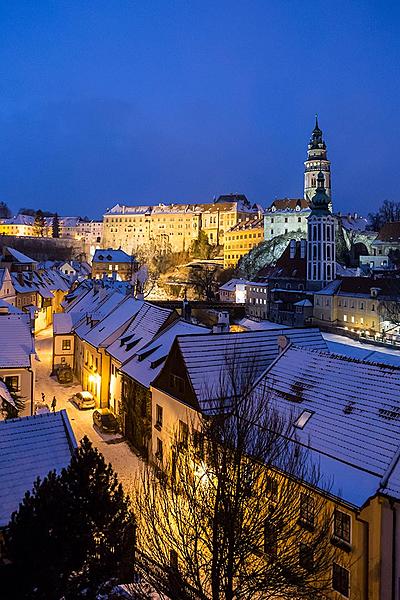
{"points": [[54, 404], [43, 397]]}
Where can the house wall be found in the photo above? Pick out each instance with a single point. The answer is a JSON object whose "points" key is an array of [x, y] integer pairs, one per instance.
{"points": [[257, 300], [283, 222], [353, 312], [61, 356], [239, 242], [26, 382], [173, 412]]}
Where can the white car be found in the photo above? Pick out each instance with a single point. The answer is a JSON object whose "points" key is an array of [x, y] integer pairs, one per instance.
{"points": [[84, 400], [41, 408]]}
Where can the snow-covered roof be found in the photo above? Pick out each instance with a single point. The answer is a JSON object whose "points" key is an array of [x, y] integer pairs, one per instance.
{"points": [[208, 357], [338, 344], [148, 321], [230, 285], [149, 360], [31, 447], [109, 255], [114, 324], [98, 310], [10, 307], [18, 256], [20, 219], [355, 421], [62, 323], [16, 340]]}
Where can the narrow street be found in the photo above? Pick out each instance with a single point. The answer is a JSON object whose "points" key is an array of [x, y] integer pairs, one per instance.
{"points": [[113, 447]]}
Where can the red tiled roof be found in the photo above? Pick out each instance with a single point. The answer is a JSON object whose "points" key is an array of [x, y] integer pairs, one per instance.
{"points": [[290, 203]]}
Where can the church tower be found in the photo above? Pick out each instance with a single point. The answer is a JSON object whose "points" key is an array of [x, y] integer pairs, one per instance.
{"points": [[321, 254], [316, 161]]}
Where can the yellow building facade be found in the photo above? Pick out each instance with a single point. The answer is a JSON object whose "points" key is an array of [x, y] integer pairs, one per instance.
{"points": [[242, 238], [172, 227]]}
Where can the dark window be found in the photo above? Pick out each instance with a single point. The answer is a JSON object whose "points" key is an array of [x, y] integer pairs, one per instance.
{"points": [[159, 415], [341, 526], [299, 219], [66, 344], [307, 509], [340, 580], [286, 219], [306, 557], [183, 433], [12, 383], [176, 382], [270, 539], [159, 453], [271, 487]]}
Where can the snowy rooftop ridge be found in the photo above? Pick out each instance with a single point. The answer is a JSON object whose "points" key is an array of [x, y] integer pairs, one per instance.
{"points": [[31, 447], [207, 357], [355, 422], [16, 341]]}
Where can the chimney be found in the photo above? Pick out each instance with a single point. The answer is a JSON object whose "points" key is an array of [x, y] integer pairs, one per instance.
{"points": [[283, 342], [303, 246], [20, 278], [186, 311], [223, 323], [355, 216], [292, 248]]}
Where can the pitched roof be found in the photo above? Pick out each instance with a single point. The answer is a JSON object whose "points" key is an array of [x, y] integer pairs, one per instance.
{"points": [[286, 266], [207, 357], [110, 255], [18, 256], [388, 287], [289, 204], [114, 323], [145, 365], [230, 285], [30, 447], [248, 224], [147, 322], [16, 340], [355, 406], [62, 323]]}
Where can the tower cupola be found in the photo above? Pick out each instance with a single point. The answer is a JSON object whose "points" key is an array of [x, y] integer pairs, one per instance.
{"points": [[317, 161]]}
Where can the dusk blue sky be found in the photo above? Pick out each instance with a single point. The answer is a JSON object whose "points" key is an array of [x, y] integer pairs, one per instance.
{"points": [[145, 101]]}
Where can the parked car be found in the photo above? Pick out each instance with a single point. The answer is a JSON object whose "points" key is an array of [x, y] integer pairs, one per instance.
{"points": [[64, 374], [41, 408], [105, 420], [84, 400]]}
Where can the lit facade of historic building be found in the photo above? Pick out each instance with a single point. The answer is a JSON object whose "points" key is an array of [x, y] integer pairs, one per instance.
{"points": [[321, 254], [174, 226], [316, 161]]}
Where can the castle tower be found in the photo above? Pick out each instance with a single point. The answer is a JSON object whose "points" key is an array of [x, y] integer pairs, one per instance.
{"points": [[321, 253], [316, 161]]}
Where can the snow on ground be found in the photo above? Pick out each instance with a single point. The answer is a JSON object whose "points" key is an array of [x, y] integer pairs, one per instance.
{"points": [[113, 447], [339, 344]]}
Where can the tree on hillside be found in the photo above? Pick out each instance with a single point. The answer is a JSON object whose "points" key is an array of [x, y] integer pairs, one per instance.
{"points": [[387, 213], [224, 523], [5, 212], [55, 227], [204, 280], [39, 223], [73, 533], [201, 247], [31, 212]]}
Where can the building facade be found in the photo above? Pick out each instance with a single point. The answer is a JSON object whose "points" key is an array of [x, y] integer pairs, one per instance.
{"points": [[113, 264], [317, 161], [241, 238], [285, 216], [321, 246], [171, 227]]}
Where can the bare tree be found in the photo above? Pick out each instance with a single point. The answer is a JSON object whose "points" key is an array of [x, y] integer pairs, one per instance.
{"points": [[234, 512], [204, 280]]}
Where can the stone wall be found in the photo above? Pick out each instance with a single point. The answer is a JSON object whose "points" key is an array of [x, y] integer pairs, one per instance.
{"points": [[47, 248]]}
